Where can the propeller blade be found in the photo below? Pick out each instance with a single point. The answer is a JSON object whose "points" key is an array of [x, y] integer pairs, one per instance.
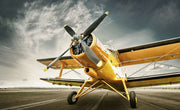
{"points": [[90, 54], [69, 30], [55, 60], [93, 26]]}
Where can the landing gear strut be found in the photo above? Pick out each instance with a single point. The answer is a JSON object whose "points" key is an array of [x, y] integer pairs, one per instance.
{"points": [[71, 99], [130, 96]]}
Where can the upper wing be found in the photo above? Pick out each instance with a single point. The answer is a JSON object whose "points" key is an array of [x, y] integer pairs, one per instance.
{"points": [[153, 80], [68, 61], [158, 51]]}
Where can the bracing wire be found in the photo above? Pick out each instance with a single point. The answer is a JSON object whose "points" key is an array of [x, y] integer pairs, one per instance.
{"points": [[153, 62]]}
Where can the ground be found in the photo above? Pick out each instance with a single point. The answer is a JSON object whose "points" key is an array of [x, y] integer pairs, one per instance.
{"points": [[56, 99]]}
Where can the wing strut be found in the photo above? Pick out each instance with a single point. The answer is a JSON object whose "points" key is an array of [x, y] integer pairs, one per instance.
{"points": [[61, 70]]}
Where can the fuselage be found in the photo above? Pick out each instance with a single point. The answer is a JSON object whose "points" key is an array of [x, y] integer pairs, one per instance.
{"points": [[102, 70]]}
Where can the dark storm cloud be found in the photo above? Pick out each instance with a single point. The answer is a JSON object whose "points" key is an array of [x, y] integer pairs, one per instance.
{"points": [[5, 32], [9, 8], [161, 16], [8, 12], [10, 51]]}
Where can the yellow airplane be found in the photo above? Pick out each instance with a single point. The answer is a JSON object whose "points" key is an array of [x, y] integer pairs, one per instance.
{"points": [[87, 52]]}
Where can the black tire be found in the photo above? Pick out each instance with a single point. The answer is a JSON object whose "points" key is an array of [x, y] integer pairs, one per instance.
{"points": [[133, 99], [71, 99]]}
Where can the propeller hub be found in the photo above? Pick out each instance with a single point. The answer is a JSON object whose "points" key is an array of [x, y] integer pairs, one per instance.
{"points": [[77, 39]]}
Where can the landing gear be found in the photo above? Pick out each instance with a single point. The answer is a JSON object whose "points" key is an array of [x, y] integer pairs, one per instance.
{"points": [[133, 99], [71, 99], [129, 96]]}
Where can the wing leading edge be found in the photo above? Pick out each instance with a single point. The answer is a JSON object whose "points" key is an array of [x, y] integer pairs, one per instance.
{"points": [[67, 82]]}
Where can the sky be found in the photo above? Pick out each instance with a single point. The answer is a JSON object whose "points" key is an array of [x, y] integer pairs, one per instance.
{"points": [[32, 29]]}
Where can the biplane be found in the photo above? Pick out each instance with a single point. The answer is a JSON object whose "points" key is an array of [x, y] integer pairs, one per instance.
{"points": [[88, 53]]}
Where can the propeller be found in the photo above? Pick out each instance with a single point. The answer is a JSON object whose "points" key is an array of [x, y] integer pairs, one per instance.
{"points": [[90, 29], [55, 60], [69, 30], [90, 54], [93, 26], [80, 39]]}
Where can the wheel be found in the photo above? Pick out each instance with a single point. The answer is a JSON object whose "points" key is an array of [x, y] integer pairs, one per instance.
{"points": [[71, 99], [133, 99]]}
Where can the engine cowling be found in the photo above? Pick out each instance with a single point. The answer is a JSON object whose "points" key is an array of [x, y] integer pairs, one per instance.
{"points": [[78, 53]]}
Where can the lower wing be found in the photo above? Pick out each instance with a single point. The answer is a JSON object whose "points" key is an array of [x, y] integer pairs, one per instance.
{"points": [[154, 80], [67, 82], [143, 81]]}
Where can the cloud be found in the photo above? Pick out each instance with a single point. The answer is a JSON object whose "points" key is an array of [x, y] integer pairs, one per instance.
{"points": [[132, 39], [39, 33], [7, 55], [166, 15], [45, 23]]}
